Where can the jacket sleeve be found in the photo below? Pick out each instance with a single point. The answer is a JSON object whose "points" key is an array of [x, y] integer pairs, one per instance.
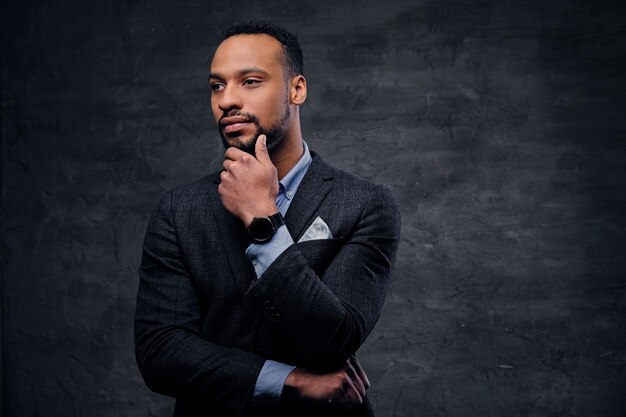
{"points": [[326, 318], [172, 357]]}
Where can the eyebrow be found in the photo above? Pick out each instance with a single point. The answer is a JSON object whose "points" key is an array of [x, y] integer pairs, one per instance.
{"points": [[241, 73]]}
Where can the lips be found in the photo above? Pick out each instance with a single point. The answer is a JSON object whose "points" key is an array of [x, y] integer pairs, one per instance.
{"points": [[233, 124]]}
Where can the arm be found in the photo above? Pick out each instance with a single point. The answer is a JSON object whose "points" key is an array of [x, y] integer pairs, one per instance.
{"points": [[172, 357], [343, 388], [326, 318]]}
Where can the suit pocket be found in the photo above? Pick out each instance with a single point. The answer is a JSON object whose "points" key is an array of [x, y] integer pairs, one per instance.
{"points": [[319, 253]]}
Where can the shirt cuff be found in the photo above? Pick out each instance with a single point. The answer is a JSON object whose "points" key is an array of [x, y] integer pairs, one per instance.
{"points": [[270, 382], [262, 255]]}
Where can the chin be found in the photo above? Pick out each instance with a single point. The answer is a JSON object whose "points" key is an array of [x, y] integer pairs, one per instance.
{"points": [[239, 142], [246, 145]]}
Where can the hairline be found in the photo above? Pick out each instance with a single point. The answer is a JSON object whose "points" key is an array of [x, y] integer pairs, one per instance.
{"points": [[288, 71]]}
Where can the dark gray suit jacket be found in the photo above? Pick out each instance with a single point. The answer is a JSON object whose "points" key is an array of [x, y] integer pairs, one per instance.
{"points": [[204, 324]]}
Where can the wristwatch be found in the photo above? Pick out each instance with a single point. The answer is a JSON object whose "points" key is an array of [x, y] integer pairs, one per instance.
{"points": [[261, 229]]}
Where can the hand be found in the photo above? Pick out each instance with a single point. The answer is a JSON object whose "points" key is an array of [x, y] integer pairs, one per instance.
{"points": [[249, 185], [343, 389]]}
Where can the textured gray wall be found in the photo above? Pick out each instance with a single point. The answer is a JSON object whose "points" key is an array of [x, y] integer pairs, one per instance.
{"points": [[500, 128]]}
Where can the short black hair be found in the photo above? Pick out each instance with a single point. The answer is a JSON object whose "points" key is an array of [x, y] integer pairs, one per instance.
{"points": [[293, 61]]}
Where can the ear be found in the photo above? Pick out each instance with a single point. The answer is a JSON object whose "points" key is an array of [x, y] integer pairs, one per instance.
{"points": [[297, 90]]}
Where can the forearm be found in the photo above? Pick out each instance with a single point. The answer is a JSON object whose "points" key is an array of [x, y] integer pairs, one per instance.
{"points": [[176, 361], [174, 356], [323, 328], [326, 313], [181, 364], [342, 388]]}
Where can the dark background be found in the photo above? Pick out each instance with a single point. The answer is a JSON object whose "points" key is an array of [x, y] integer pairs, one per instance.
{"points": [[499, 126]]}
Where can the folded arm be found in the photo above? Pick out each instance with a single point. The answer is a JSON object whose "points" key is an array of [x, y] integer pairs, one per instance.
{"points": [[327, 317], [172, 356]]}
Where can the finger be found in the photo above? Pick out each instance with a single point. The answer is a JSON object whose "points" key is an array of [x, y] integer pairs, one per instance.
{"points": [[356, 380], [260, 150], [360, 372], [226, 164], [352, 394], [234, 154]]}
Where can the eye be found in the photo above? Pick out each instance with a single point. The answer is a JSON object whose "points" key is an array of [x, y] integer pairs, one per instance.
{"points": [[251, 81], [217, 86]]}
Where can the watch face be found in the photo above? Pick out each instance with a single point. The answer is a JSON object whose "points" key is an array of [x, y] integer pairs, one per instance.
{"points": [[261, 229]]}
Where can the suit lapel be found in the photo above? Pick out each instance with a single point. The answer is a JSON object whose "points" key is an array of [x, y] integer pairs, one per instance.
{"points": [[233, 236], [311, 192]]}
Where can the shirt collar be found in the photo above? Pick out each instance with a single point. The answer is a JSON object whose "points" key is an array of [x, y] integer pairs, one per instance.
{"points": [[290, 182]]}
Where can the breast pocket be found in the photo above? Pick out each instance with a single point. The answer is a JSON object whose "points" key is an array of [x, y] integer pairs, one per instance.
{"points": [[319, 253]]}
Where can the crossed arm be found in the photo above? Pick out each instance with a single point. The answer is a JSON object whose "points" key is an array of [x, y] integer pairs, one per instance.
{"points": [[329, 316]]}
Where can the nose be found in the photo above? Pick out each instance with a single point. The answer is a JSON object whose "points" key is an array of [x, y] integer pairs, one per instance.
{"points": [[229, 99]]}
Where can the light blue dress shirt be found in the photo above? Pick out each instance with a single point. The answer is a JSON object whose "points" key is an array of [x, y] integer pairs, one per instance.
{"points": [[271, 379]]}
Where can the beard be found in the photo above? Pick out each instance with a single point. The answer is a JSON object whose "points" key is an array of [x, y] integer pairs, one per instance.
{"points": [[275, 133]]}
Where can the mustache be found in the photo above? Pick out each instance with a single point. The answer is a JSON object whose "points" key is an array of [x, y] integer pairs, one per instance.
{"points": [[248, 117]]}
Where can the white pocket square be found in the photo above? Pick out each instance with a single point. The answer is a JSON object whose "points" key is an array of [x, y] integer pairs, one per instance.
{"points": [[316, 231]]}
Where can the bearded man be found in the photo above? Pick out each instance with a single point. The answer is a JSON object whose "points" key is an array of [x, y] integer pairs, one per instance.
{"points": [[259, 283]]}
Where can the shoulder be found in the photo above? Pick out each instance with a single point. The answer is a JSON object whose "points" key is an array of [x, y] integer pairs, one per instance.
{"points": [[354, 185], [196, 188], [360, 207], [190, 194]]}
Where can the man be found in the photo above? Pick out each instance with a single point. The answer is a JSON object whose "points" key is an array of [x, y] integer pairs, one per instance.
{"points": [[258, 284]]}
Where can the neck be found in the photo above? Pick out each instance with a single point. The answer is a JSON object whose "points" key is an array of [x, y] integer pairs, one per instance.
{"points": [[289, 152], [285, 158]]}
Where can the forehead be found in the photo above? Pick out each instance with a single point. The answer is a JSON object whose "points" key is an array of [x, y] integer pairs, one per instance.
{"points": [[245, 51]]}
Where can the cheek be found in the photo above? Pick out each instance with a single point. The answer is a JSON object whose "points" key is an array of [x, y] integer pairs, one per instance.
{"points": [[266, 103], [270, 108], [258, 105]]}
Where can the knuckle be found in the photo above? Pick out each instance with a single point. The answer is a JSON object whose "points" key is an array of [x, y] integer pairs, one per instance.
{"points": [[340, 379]]}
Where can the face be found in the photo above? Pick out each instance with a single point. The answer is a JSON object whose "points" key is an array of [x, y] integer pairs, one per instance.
{"points": [[249, 91]]}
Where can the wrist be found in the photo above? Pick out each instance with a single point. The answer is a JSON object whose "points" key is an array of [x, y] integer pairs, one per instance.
{"points": [[291, 388], [265, 210], [262, 229]]}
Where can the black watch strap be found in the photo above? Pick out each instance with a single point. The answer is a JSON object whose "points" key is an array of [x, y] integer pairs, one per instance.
{"points": [[261, 229]]}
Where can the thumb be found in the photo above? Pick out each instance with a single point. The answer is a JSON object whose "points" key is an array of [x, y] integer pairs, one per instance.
{"points": [[260, 150]]}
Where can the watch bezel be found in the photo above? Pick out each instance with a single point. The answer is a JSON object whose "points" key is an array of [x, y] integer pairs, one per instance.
{"points": [[261, 229]]}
